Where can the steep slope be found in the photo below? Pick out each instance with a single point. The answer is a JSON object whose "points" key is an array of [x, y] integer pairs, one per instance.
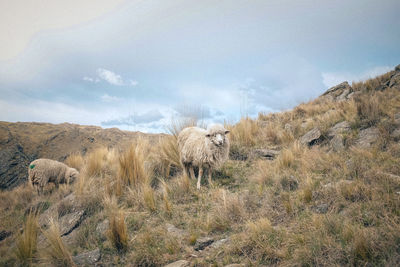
{"points": [[23, 142]]}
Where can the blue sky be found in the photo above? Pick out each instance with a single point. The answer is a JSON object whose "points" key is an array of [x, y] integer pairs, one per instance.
{"points": [[138, 64]]}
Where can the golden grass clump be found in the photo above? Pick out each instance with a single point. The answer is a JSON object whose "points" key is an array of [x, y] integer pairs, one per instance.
{"points": [[117, 232], [244, 133], [56, 253], [75, 160], [27, 241], [95, 162], [132, 171]]}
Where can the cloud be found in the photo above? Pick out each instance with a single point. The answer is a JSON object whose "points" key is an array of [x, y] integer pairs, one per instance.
{"points": [[193, 111], [108, 98], [333, 78], [89, 79], [110, 77], [153, 115], [133, 83]]}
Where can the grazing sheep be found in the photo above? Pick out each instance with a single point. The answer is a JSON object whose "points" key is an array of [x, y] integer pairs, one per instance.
{"points": [[43, 171], [201, 148]]}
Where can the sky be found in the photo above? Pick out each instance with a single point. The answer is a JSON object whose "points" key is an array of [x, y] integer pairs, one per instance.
{"points": [[140, 64]]}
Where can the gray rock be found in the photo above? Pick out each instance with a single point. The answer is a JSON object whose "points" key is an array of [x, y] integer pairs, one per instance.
{"points": [[397, 118], [68, 212], [90, 257], [367, 137], [219, 243], [102, 227], [180, 263], [396, 133], [174, 231], [202, 243], [312, 137], [337, 143], [395, 81], [340, 127], [321, 209], [339, 92], [265, 153], [70, 221]]}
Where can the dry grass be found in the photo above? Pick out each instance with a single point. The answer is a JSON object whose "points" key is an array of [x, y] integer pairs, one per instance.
{"points": [[118, 232], [132, 171], [27, 241], [310, 206], [56, 254], [244, 133], [75, 160]]}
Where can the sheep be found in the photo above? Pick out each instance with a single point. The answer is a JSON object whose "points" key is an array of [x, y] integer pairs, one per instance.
{"points": [[43, 171], [203, 149]]}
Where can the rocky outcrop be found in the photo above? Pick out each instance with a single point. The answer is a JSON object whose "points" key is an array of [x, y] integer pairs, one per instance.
{"points": [[367, 137], [339, 92], [311, 138]]}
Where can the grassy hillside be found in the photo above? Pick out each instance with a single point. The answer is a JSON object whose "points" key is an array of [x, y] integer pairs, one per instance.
{"points": [[23, 142], [317, 185]]}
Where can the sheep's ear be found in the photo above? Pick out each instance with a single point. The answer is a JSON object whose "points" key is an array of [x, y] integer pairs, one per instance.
{"points": [[227, 131]]}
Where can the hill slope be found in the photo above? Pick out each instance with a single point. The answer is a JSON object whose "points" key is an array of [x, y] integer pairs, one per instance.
{"points": [[315, 186], [22, 142]]}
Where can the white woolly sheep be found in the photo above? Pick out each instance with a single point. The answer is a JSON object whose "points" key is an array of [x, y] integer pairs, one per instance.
{"points": [[44, 171], [201, 148]]}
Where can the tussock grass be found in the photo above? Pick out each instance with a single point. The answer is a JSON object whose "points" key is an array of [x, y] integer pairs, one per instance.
{"points": [[244, 133], [27, 241], [118, 232], [309, 206], [75, 160], [56, 253], [132, 171]]}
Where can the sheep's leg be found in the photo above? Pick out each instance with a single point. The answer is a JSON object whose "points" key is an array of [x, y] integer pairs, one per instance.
{"points": [[192, 173], [209, 177], [199, 178]]}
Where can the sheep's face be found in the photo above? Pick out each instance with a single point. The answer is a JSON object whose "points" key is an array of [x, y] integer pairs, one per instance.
{"points": [[72, 175], [218, 138]]}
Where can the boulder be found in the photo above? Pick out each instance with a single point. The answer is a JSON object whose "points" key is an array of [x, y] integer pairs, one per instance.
{"points": [[337, 143], [87, 258], [68, 212], [102, 228], [321, 209], [174, 231], [395, 81], [219, 243], [312, 137], [367, 137], [339, 92], [265, 153], [180, 263], [339, 128]]}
